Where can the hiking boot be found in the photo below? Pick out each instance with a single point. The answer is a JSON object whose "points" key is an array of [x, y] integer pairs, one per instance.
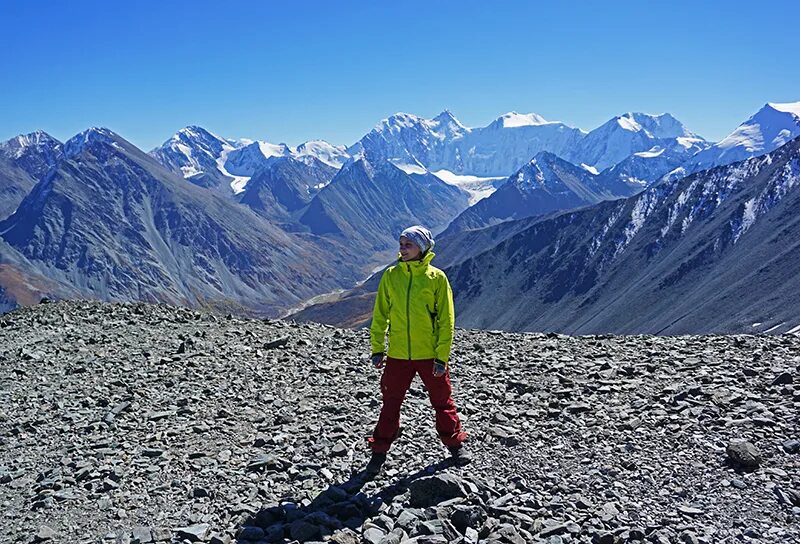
{"points": [[459, 455], [375, 464]]}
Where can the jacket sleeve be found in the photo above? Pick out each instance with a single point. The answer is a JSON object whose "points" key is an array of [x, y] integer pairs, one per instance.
{"points": [[380, 317], [446, 317]]}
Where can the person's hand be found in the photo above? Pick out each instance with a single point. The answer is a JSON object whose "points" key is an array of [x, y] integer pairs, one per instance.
{"points": [[378, 360], [439, 368]]}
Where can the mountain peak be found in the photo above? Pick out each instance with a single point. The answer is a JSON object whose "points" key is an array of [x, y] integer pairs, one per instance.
{"points": [[90, 136], [769, 128], [785, 107], [334, 155], [513, 119], [447, 117], [38, 138], [628, 122], [399, 120], [662, 125], [195, 133], [546, 157]]}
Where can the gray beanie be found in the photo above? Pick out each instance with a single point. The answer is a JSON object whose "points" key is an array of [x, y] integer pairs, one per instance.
{"points": [[420, 236]]}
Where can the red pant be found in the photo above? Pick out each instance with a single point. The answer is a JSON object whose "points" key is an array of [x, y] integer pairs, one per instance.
{"points": [[396, 379]]}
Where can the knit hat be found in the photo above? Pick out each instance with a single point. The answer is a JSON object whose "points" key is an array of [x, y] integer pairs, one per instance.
{"points": [[420, 236]]}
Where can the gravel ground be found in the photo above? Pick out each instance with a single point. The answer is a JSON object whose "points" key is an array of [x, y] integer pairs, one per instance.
{"points": [[125, 423]]}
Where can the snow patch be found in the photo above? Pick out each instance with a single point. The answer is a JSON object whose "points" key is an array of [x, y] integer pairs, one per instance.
{"points": [[628, 123], [477, 187], [238, 183], [272, 150], [513, 119], [590, 169], [411, 168], [787, 107], [650, 154], [782, 323]]}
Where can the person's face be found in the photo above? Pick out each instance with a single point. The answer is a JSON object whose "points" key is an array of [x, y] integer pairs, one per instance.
{"points": [[408, 249]]}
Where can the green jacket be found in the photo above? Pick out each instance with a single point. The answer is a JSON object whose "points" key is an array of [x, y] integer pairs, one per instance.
{"points": [[415, 304]]}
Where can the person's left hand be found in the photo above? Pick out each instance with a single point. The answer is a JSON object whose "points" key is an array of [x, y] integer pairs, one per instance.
{"points": [[378, 360], [439, 368]]}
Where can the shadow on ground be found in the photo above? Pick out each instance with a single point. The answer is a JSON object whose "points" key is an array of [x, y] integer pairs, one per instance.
{"points": [[340, 506]]}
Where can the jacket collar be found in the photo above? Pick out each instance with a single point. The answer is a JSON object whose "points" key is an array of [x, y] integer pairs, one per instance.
{"points": [[416, 266]]}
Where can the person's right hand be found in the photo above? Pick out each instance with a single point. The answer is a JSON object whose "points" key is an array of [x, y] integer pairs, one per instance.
{"points": [[378, 360]]}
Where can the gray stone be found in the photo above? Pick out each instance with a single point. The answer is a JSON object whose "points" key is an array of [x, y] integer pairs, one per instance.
{"points": [[374, 535], [339, 449], [161, 534], [467, 516], [194, 533], [791, 446], [743, 454], [783, 378], [391, 538], [408, 521], [431, 490], [689, 510], [345, 536], [142, 535], [250, 533], [44, 533], [554, 529], [302, 530]]}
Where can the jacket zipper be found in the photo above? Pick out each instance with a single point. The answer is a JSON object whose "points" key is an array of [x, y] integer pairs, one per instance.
{"points": [[408, 313]]}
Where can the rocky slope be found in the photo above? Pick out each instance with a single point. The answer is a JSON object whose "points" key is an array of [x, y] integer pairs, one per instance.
{"points": [[112, 224], [713, 252], [139, 423]]}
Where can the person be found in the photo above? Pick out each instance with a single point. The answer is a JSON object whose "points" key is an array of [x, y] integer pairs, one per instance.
{"points": [[415, 305]]}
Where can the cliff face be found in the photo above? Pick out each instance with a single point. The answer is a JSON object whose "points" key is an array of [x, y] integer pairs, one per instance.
{"points": [[133, 422]]}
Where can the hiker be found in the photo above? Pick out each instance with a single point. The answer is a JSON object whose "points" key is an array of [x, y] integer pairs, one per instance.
{"points": [[415, 304]]}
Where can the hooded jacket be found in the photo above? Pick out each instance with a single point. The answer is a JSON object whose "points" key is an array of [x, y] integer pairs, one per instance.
{"points": [[415, 305]]}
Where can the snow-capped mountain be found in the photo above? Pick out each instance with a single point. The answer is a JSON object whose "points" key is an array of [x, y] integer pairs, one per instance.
{"points": [[624, 135], [407, 138], [646, 167], [445, 144], [716, 251], [510, 141], [544, 185], [112, 223], [333, 155], [87, 139], [245, 160], [197, 155], [35, 152], [768, 129], [211, 161], [24, 160]]}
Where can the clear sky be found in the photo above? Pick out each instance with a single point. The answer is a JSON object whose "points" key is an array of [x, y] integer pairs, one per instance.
{"points": [[287, 71]]}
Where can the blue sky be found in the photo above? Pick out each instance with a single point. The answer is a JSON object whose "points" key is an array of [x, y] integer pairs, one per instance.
{"points": [[293, 71]]}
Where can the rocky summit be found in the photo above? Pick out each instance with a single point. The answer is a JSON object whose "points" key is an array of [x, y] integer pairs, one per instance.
{"points": [[139, 423]]}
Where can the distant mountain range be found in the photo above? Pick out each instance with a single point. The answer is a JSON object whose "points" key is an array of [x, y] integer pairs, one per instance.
{"points": [[256, 227], [771, 127], [717, 250], [110, 222], [544, 185], [726, 230]]}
